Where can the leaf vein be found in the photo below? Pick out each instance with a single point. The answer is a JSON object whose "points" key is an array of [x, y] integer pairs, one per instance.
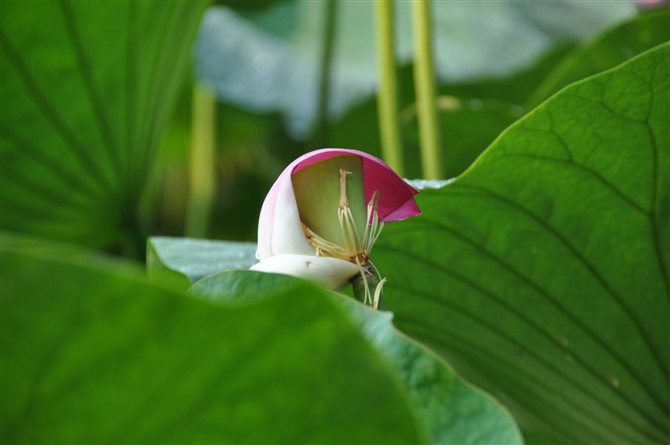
{"points": [[604, 284], [73, 181], [454, 339], [51, 115], [93, 94], [602, 379], [591, 172]]}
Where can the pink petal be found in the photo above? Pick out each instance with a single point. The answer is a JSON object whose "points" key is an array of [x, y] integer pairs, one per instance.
{"points": [[396, 200], [279, 227]]}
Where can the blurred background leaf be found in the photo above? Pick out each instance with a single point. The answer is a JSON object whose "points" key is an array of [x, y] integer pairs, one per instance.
{"points": [[91, 87], [607, 50], [480, 95], [93, 354], [447, 410], [272, 56], [541, 274], [474, 112]]}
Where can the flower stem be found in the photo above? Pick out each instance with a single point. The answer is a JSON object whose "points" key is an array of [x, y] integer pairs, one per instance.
{"points": [[387, 102], [424, 79], [328, 49], [202, 162]]}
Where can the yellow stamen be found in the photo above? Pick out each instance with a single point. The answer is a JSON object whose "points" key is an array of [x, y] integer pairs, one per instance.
{"points": [[374, 227], [324, 247], [346, 218], [355, 249], [344, 201]]}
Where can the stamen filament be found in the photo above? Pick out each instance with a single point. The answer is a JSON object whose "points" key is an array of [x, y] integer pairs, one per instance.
{"points": [[356, 249], [378, 293], [373, 229], [346, 218], [364, 272], [325, 247], [344, 201]]}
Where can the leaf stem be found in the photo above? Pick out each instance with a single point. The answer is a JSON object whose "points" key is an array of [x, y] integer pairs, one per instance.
{"points": [[328, 48], [387, 101], [202, 162], [424, 79]]}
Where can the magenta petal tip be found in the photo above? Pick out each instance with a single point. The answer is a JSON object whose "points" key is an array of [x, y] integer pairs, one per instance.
{"points": [[396, 196]]}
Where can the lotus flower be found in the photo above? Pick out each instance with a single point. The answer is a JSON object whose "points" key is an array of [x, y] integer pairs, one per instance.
{"points": [[323, 215]]}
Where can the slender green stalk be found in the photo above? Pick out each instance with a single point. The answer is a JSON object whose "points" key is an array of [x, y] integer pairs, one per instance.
{"points": [[387, 102], [328, 48], [202, 162], [425, 91]]}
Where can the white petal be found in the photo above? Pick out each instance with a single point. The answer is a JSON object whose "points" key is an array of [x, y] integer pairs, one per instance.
{"points": [[279, 227], [330, 272], [288, 237]]}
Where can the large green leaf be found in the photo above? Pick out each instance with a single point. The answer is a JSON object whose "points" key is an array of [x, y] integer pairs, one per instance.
{"points": [[86, 91], [448, 410], [542, 274], [93, 356], [607, 50]]}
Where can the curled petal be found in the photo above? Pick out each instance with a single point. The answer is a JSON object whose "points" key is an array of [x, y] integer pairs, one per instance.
{"points": [[396, 196], [330, 272], [279, 227]]}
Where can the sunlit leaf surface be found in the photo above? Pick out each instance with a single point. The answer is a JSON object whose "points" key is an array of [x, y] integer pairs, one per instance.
{"points": [[542, 273]]}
